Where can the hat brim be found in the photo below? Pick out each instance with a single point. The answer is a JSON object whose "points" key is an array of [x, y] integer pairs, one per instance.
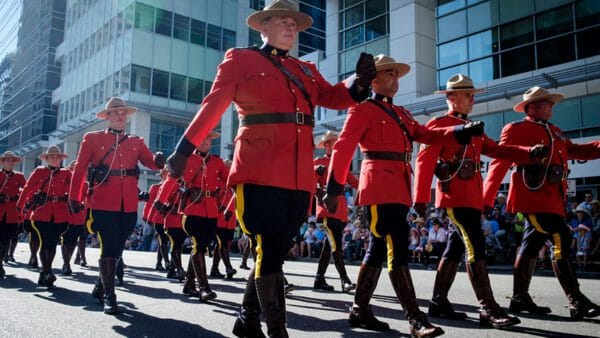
{"points": [[43, 157], [103, 113], [321, 144], [401, 68], [16, 158], [255, 20], [520, 107], [213, 135], [454, 90]]}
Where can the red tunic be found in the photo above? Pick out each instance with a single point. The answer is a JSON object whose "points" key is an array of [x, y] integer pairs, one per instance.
{"points": [[10, 184], [455, 196], [200, 173], [550, 197], [341, 212], [55, 187], [115, 192], [381, 181], [152, 192], [278, 155]]}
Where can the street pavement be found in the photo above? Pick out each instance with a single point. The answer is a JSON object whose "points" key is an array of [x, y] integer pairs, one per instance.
{"points": [[152, 306]]}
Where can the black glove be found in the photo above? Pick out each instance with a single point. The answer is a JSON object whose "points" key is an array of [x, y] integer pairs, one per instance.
{"points": [[227, 215], [143, 196], [539, 151], [159, 159], [420, 208], [320, 170], [176, 164], [331, 202], [160, 207], [75, 207], [474, 128], [365, 70]]}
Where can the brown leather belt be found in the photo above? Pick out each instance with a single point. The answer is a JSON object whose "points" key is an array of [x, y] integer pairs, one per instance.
{"points": [[5, 198], [298, 118], [388, 155], [62, 198], [124, 172], [194, 194]]}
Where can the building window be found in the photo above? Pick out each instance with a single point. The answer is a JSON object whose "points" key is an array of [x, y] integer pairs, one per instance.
{"points": [[164, 135], [556, 51], [195, 90], [140, 79], [144, 17], [518, 61], [198, 32], [516, 33], [181, 27], [160, 83], [362, 21], [452, 26], [213, 37], [254, 38], [257, 5], [587, 13], [178, 89], [124, 80], [228, 39], [164, 22], [554, 22], [587, 44]]}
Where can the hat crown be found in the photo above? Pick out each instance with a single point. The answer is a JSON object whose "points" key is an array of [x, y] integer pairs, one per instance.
{"points": [[8, 153], [534, 92], [53, 150], [280, 5], [459, 81], [329, 135], [115, 102], [382, 59]]}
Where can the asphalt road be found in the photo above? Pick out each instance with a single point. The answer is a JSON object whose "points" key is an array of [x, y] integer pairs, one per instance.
{"points": [[152, 306]]}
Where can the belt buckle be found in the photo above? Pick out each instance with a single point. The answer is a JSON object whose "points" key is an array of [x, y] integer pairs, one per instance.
{"points": [[407, 157], [299, 117], [54, 198], [477, 166], [564, 175], [207, 194], [123, 172]]}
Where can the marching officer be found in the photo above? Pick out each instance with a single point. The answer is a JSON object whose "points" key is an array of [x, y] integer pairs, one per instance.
{"points": [[272, 172], [199, 205], [384, 133], [10, 183], [45, 193], [225, 229], [539, 192], [460, 192], [157, 221], [113, 157], [334, 223], [76, 233]]}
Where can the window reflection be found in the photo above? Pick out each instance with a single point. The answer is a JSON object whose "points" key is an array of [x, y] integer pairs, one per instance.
{"points": [[452, 53], [516, 33], [483, 44]]}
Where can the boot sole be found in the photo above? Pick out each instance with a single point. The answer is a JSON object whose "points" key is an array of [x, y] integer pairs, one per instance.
{"points": [[485, 323], [438, 314], [356, 323]]}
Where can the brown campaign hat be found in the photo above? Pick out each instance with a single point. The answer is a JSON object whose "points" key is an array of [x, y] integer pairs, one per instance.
{"points": [[328, 136], [213, 135], [536, 94], [383, 62], [283, 8], [52, 150], [115, 103], [10, 155], [459, 83]]}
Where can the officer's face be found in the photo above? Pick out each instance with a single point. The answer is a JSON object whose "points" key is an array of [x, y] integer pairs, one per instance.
{"points": [[541, 110], [54, 160], [386, 82], [328, 147], [280, 32], [461, 102], [117, 119], [8, 164], [204, 147]]}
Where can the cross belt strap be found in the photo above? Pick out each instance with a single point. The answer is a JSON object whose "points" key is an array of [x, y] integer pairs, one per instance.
{"points": [[298, 118], [394, 116], [388, 155]]}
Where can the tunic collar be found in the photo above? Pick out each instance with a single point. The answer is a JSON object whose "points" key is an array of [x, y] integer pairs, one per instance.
{"points": [[382, 98], [115, 131], [460, 115], [274, 51]]}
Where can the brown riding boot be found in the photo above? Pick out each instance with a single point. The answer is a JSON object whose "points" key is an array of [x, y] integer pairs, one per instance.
{"points": [[214, 269], [338, 260], [440, 306], [579, 305], [490, 314], [272, 301], [81, 252], [67, 252], [247, 323], [229, 270], [34, 246], [107, 274], [189, 288], [405, 291], [199, 264], [361, 314], [521, 300]]}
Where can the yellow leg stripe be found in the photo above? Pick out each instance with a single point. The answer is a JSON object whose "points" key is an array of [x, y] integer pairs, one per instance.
{"points": [[170, 240], [390, 252], [183, 219], [194, 246], [89, 223], [374, 219], [536, 224], [240, 207], [259, 257], [219, 243], [100, 241], [38, 234], [329, 235], [465, 236], [557, 246]]}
